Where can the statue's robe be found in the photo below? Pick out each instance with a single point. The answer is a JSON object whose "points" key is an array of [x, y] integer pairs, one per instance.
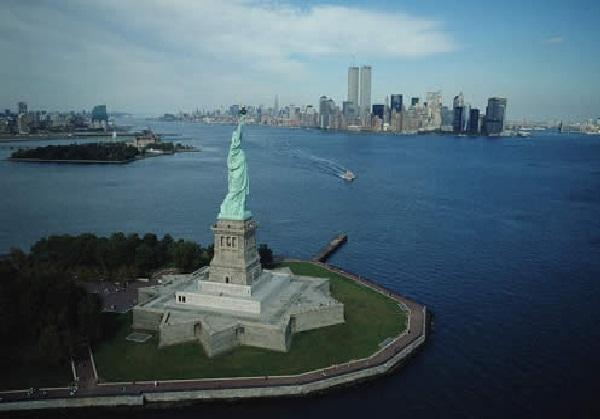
{"points": [[234, 204]]}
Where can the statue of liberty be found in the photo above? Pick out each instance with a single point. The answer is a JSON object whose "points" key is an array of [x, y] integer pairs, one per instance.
{"points": [[234, 204]]}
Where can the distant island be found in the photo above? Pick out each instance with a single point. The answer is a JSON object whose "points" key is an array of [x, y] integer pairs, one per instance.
{"points": [[145, 145], [79, 153]]}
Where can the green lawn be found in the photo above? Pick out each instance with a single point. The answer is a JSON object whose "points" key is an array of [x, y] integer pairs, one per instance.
{"points": [[370, 319]]}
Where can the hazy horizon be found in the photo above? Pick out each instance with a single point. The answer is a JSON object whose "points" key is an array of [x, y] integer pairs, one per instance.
{"points": [[170, 57]]}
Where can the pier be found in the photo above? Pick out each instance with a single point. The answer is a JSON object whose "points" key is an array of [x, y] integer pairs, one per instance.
{"points": [[337, 242]]}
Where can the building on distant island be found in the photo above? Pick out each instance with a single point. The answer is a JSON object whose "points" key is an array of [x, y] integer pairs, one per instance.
{"points": [[144, 139], [22, 107], [99, 117]]}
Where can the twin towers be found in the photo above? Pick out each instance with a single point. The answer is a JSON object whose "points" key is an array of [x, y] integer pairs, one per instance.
{"points": [[359, 89]]}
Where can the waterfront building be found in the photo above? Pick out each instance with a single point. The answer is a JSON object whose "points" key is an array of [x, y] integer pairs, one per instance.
{"points": [[353, 73], [474, 122], [434, 109], [348, 111], [459, 120], [447, 116], [22, 107], [22, 124], [99, 113], [411, 121], [396, 103], [386, 111], [326, 112], [495, 113], [396, 121], [276, 106], [378, 110], [365, 90]]}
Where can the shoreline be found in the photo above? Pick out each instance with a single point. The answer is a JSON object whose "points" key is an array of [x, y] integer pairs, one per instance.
{"points": [[180, 392]]}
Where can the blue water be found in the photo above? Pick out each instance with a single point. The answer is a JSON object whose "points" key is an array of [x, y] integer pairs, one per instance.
{"points": [[500, 238]]}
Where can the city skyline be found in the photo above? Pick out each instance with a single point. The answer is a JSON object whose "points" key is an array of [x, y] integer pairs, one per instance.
{"points": [[69, 55]]}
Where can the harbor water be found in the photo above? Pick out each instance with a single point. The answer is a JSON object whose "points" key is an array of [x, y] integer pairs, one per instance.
{"points": [[498, 237]]}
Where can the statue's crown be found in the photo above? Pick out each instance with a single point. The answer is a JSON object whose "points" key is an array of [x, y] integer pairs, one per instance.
{"points": [[243, 110]]}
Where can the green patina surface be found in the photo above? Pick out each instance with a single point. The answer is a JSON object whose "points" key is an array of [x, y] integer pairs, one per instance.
{"points": [[234, 204], [370, 319]]}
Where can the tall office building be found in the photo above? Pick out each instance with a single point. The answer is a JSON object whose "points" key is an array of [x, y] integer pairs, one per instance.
{"points": [[378, 110], [353, 87], [22, 107], [459, 100], [326, 112], [434, 105], [494, 115], [365, 90], [396, 103], [276, 106], [99, 113], [348, 111], [459, 121], [414, 101], [474, 123]]}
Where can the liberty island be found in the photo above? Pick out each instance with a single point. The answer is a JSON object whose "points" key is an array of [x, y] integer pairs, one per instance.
{"points": [[234, 301], [233, 330]]}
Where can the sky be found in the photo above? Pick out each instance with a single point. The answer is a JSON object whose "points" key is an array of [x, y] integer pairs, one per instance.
{"points": [[155, 56]]}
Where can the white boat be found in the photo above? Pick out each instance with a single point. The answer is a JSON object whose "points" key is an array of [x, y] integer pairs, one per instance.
{"points": [[523, 133], [348, 176]]}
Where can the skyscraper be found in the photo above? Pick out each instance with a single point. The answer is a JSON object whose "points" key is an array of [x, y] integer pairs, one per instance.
{"points": [[434, 104], [459, 100], [396, 103], [276, 106], [353, 87], [474, 127], [326, 111], [494, 115], [378, 110], [99, 113], [365, 90], [414, 101], [459, 121], [22, 107]]}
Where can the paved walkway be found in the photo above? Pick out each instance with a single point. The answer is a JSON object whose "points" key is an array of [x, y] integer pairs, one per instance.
{"points": [[89, 387]]}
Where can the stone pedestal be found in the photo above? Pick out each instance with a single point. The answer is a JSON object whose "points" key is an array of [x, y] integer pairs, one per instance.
{"points": [[236, 259]]}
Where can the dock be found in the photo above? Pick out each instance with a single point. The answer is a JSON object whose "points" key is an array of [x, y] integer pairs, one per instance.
{"points": [[337, 242]]}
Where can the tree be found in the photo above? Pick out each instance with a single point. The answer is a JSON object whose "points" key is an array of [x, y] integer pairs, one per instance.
{"points": [[144, 258], [266, 255], [187, 256]]}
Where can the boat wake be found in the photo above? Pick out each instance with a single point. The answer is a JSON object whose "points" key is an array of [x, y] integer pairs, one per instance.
{"points": [[323, 165]]}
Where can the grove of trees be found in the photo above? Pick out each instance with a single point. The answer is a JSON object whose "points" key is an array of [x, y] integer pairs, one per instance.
{"points": [[46, 313], [119, 256], [85, 151]]}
